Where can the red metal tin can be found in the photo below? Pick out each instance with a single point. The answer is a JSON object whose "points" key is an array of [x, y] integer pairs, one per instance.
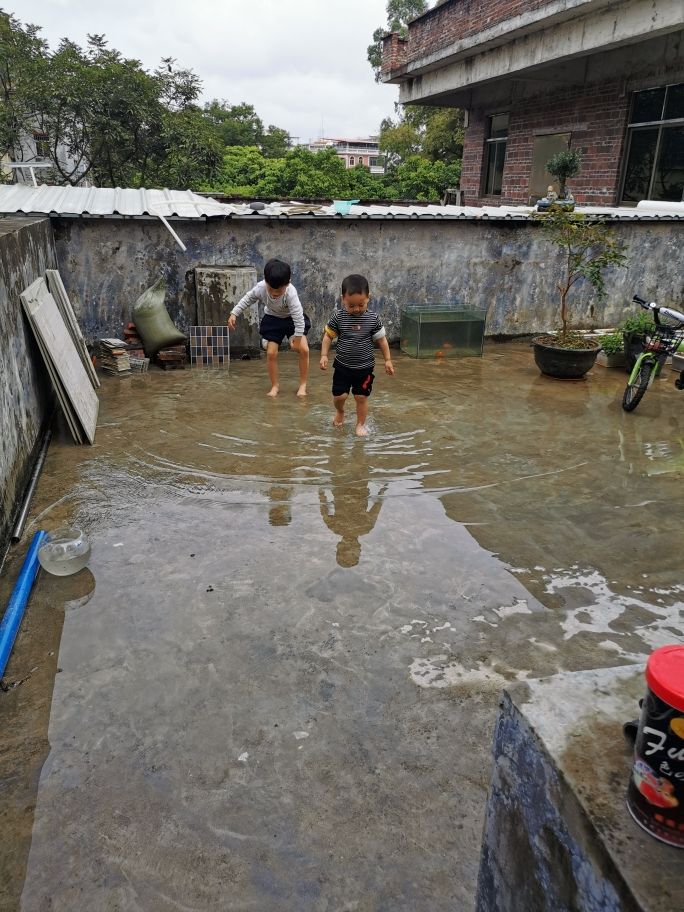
{"points": [[655, 796]]}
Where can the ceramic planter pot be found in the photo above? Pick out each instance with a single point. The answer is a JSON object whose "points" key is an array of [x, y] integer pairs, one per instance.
{"points": [[565, 363], [611, 359], [634, 345]]}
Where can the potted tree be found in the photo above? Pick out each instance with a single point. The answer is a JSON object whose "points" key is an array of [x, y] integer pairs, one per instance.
{"points": [[564, 166], [588, 249]]}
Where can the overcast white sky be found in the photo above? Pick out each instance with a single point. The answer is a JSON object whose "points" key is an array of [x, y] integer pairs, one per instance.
{"points": [[299, 62]]}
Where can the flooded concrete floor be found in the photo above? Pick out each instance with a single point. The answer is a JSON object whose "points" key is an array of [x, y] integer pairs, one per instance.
{"points": [[274, 687]]}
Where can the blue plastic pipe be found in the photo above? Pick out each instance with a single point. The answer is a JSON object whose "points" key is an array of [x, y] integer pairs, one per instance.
{"points": [[17, 603]]}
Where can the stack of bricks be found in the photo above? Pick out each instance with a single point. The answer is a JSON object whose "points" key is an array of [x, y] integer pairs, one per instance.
{"points": [[134, 344], [172, 358]]}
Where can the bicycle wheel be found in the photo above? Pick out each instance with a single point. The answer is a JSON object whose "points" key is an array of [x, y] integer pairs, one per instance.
{"points": [[634, 392]]}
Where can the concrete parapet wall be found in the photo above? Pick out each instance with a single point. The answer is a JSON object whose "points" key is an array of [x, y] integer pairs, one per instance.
{"points": [[558, 836], [26, 251], [506, 267]]}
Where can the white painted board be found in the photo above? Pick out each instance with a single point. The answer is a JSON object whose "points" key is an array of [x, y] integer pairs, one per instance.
{"points": [[62, 398], [58, 292], [49, 327]]}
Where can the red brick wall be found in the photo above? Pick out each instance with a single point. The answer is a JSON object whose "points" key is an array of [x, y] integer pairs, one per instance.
{"points": [[596, 115], [456, 19], [393, 53]]}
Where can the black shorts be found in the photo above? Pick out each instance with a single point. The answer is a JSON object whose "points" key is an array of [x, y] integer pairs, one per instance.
{"points": [[360, 382], [275, 329]]}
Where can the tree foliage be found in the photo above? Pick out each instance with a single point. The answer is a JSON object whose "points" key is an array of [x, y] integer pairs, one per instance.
{"points": [[240, 125], [301, 173], [588, 248], [435, 133], [107, 120]]}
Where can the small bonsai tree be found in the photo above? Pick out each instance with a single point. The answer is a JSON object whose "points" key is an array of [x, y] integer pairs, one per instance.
{"points": [[563, 166], [588, 249]]}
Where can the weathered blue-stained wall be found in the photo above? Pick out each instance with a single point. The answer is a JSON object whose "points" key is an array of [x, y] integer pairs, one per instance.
{"points": [[26, 251], [504, 266]]}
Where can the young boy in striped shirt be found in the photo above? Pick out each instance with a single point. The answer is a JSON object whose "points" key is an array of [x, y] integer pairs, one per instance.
{"points": [[356, 329]]}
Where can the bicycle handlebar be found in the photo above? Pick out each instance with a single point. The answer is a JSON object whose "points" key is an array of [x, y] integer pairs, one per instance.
{"points": [[668, 311]]}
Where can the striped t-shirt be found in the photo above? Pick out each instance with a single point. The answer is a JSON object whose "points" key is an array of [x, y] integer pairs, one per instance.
{"points": [[355, 334]]}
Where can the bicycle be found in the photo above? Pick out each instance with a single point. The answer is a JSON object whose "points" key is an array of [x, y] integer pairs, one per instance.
{"points": [[663, 341]]}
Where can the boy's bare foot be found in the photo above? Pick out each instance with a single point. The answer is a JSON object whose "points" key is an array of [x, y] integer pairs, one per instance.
{"points": [[273, 391], [302, 390], [361, 430], [338, 420]]}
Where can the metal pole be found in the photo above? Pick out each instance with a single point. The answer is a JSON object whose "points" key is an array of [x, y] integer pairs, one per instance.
{"points": [[17, 603], [18, 530]]}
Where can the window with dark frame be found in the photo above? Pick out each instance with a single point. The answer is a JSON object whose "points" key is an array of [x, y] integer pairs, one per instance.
{"points": [[495, 154], [42, 143], [654, 161]]}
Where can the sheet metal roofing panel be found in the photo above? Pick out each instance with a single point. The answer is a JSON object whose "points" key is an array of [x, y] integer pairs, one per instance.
{"points": [[104, 201]]}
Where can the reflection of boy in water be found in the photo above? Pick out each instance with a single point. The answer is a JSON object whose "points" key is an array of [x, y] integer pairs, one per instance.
{"points": [[279, 514], [346, 512]]}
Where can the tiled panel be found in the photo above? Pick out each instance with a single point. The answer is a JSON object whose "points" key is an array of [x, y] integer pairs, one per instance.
{"points": [[209, 345]]}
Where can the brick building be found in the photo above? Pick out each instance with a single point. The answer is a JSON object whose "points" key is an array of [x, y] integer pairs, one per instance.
{"points": [[605, 77]]}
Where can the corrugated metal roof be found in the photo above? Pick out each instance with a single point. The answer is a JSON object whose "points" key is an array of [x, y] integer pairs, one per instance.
{"points": [[104, 201], [184, 204]]}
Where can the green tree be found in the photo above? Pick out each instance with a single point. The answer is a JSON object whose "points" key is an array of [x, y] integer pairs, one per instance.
{"points": [[242, 169], [399, 141], [275, 142], [107, 119], [399, 14], [236, 125], [189, 153], [309, 174], [436, 133], [23, 57], [443, 135], [417, 178], [240, 125]]}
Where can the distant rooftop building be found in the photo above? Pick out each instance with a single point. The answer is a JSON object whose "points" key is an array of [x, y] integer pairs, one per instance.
{"points": [[354, 152]]}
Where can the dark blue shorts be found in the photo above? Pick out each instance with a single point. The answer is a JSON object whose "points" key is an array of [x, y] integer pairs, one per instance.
{"points": [[275, 329], [360, 382]]}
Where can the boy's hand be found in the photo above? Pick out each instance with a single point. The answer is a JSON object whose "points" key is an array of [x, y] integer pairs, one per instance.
{"points": [[389, 368], [232, 321], [295, 343], [324, 362]]}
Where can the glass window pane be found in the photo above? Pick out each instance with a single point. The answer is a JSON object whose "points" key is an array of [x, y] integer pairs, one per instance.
{"points": [[639, 164], [648, 106], [669, 173], [496, 154], [498, 126], [674, 103], [545, 147]]}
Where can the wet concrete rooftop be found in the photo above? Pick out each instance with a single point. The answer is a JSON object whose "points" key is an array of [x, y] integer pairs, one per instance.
{"points": [[274, 688]]}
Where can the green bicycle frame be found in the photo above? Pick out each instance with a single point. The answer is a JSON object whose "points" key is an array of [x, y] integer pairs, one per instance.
{"points": [[657, 360]]}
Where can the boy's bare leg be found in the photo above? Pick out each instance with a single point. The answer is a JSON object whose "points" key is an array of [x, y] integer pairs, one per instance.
{"points": [[338, 402], [272, 365], [361, 416], [303, 366]]}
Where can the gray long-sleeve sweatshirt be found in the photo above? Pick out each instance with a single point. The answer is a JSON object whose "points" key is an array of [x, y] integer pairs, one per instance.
{"points": [[288, 305]]}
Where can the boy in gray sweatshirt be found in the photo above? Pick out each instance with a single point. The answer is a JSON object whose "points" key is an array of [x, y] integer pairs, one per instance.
{"points": [[283, 316]]}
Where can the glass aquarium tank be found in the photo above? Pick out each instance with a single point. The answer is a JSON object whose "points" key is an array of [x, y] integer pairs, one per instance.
{"points": [[442, 330]]}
